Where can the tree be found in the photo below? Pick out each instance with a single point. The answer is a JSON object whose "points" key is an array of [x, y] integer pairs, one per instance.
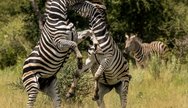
{"points": [[150, 19]]}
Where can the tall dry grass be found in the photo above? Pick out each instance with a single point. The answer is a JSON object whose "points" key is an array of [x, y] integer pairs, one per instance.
{"points": [[169, 90]]}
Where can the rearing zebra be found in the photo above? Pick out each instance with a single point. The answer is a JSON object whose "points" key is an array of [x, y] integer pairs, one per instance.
{"points": [[57, 41], [110, 69], [142, 51]]}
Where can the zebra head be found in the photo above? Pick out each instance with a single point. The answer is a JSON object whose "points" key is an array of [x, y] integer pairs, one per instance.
{"points": [[87, 9], [131, 43], [72, 2]]}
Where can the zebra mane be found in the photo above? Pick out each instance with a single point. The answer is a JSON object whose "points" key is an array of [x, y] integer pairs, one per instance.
{"points": [[136, 38], [86, 9], [139, 40]]}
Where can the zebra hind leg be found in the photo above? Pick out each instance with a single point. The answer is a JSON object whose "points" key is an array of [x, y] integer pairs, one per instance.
{"points": [[32, 94], [52, 90], [103, 89], [32, 87], [122, 90]]}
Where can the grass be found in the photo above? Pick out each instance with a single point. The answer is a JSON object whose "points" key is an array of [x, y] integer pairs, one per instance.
{"points": [[170, 90]]}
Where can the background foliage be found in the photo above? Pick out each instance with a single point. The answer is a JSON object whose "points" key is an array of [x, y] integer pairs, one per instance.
{"points": [[165, 20]]}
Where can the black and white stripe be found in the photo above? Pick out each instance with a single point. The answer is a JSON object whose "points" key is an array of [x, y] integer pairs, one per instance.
{"points": [[142, 51], [57, 41], [110, 68]]}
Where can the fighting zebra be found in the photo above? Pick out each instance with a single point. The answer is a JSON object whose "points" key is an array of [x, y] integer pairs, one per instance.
{"points": [[110, 68], [57, 41], [141, 52]]}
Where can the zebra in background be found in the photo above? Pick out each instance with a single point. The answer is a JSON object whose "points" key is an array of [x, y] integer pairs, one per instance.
{"points": [[142, 51], [57, 41], [110, 69]]}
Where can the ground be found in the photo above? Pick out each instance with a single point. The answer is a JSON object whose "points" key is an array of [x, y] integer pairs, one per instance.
{"points": [[169, 90]]}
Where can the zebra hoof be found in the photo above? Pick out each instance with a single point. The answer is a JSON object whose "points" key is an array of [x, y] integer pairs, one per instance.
{"points": [[80, 63], [95, 98]]}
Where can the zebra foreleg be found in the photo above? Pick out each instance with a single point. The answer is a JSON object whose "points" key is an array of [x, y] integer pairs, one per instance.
{"points": [[71, 91], [83, 35], [52, 91], [76, 77], [103, 65], [64, 43], [96, 90]]}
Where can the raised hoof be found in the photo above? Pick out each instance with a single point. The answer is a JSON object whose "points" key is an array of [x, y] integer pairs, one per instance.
{"points": [[79, 56], [95, 98], [70, 95]]}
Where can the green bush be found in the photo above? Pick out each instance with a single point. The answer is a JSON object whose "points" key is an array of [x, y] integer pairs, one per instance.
{"points": [[12, 44], [154, 66], [151, 19], [85, 84], [10, 52]]}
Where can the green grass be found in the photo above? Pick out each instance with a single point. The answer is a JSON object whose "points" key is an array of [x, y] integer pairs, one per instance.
{"points": [[170, 90]]}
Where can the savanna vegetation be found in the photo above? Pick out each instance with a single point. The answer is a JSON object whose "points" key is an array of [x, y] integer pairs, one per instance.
{"points": [[158, 85]]}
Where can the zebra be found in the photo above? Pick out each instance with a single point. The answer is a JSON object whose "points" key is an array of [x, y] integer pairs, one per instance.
{"points": [[110, 68], [57, 41], [142, 51]]}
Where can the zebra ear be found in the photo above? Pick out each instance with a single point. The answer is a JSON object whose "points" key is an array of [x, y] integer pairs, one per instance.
{"points": [[133, 36], [126, 36], [136, 35]]}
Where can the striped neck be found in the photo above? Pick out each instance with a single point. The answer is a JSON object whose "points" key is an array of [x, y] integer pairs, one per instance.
{"points": [[97, 19], [137, 50], [96, 16], [58, 9]]}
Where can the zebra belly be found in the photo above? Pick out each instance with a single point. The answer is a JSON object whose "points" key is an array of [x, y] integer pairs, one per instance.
{"points": [[42, 66], [40, 69], [108, 77], [114, 72], [111, 80]]}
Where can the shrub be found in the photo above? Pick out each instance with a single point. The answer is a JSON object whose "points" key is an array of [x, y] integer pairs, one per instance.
{"points": [[12, 42], [154, 66], [84, 86]]}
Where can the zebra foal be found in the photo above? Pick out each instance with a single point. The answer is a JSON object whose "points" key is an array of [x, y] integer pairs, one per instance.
{"points": [[110, 68], [143, 51]]}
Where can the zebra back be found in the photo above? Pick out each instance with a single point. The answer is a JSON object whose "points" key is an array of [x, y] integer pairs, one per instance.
{"points": [[159, 47]]}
